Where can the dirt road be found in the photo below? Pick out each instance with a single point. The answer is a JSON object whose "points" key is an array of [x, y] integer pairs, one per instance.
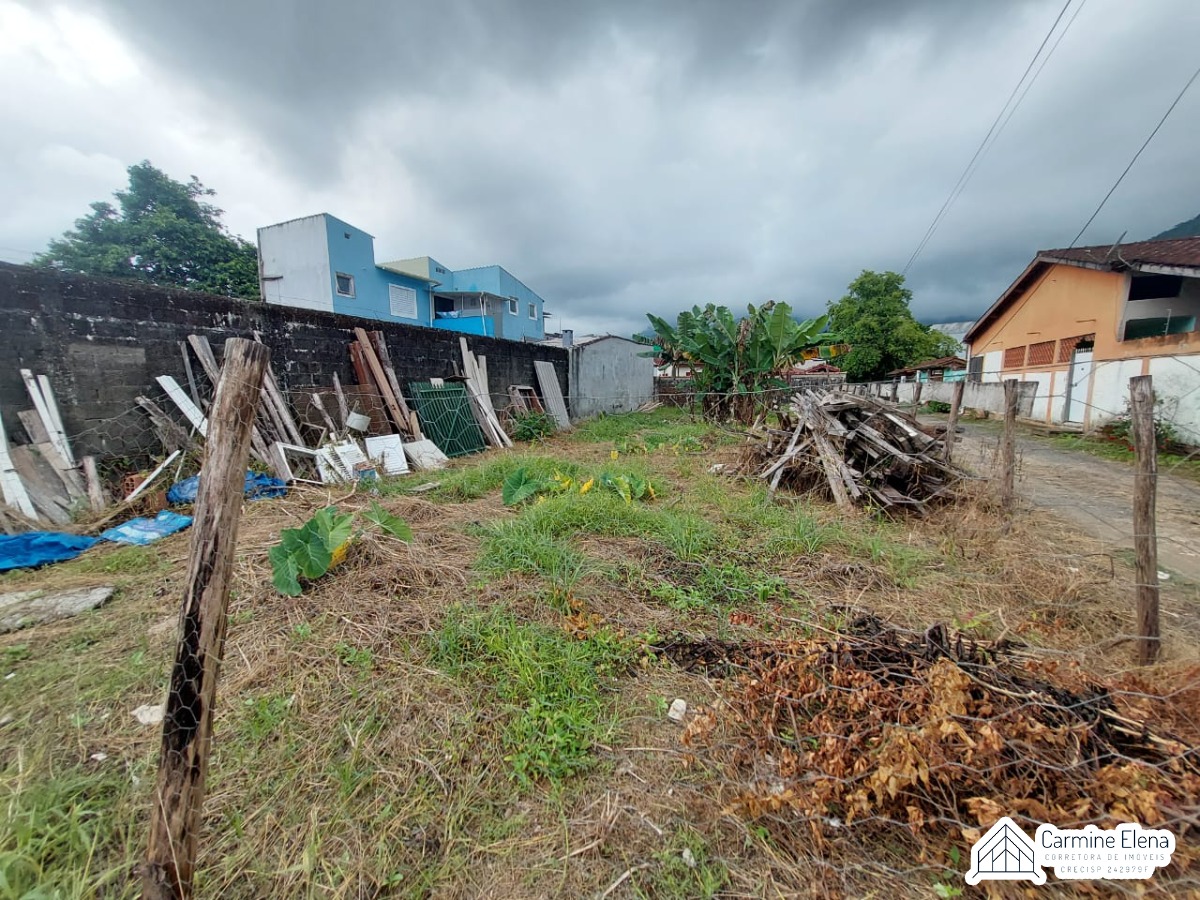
{"points": [[1095, 494]]}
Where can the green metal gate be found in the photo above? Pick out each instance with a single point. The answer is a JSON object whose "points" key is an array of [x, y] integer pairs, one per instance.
{"points": [[446, 418]]}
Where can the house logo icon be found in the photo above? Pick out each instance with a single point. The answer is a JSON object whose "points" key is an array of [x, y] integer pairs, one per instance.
{"points": [[1004, 853]]}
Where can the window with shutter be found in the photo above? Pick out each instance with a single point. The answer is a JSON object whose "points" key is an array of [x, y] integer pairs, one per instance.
{"points": [[402, 301]]}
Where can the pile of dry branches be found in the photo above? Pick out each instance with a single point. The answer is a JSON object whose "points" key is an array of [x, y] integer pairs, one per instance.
{"points": [[874, 727], [853, 449]]}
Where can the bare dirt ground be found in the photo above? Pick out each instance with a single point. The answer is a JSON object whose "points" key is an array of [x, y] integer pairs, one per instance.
{"points": [[1095, 494]]}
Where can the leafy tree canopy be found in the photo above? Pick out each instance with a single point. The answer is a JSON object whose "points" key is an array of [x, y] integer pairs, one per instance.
{"points": [[161, 231], [875, 320]]}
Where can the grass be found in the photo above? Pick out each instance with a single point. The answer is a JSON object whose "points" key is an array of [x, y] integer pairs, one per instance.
{"points": [[685, 871], [1185, 466], [662, 428], [476, 477], [53, 829], [471, 714], [545, 682]]}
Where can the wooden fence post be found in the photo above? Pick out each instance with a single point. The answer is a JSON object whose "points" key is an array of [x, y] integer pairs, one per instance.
{"points": [[956, 395], [1008, 446], [1145, 538], [896, 390], [916, 400], [187, 722]]}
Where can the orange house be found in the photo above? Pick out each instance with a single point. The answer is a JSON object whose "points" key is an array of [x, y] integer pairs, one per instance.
{"points": [[1081, 322]]}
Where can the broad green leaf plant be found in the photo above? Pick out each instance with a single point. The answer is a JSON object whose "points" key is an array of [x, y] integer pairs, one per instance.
{"points": [[738, 361], [520, 487], [321, 543]]}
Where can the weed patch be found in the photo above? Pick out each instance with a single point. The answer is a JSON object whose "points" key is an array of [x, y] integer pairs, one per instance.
{"points": [[663, 427], [472, 479], [53, 830], [546, 684], [121, 561], [719, 585], [687, 871]]}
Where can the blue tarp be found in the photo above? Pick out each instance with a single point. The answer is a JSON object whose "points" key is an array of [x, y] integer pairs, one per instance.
{"points": [[258, 487], [147, 531], [36, 548]]}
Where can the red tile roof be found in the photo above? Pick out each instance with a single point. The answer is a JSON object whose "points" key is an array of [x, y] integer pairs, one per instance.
{"points": [[1183, 252]]}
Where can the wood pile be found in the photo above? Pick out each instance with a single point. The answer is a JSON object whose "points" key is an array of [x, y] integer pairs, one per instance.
{"points": [[476, 382], [856, 450], [318, 436], [42, 481]]}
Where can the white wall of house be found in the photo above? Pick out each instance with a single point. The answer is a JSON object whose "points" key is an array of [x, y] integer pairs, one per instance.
{"points": [[299, 248], [1105, 391], [1109, 393], [1058, 397], [991, 366], [1041, 399], [1177, 382]]}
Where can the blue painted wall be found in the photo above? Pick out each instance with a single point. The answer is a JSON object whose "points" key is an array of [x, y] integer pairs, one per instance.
{"points": [[480, 325], [352, 251], [499, 281]]}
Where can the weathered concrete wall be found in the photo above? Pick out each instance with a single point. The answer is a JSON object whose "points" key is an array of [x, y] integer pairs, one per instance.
{"points": [[101, 342], [610, 376], [986, 397]]}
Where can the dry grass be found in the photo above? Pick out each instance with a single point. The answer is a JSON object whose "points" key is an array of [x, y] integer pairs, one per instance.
{"points": [[350, 762]]}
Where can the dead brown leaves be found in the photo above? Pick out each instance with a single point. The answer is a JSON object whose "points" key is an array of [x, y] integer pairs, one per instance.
{"points": [[876, 729]]}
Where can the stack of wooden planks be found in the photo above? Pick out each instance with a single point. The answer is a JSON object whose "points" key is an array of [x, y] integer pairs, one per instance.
{"points": [[373, 366], [275, 423], [42, 481], [476, 380], [856, 450]]}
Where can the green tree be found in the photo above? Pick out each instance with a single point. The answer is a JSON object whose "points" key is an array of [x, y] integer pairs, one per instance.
{"points": [[161, 231], [739, 362], [875, 320]]}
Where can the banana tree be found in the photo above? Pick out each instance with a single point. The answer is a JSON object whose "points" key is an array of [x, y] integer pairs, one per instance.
{"points": [[737, 362]]}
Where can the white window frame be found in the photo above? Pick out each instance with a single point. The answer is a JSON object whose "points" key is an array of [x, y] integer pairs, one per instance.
{"points": [[533, 311], [513, 308], [399, 306], [337, 287]]}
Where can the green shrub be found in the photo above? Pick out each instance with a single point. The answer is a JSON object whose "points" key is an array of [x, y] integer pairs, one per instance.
{"points": [[533, 425]]}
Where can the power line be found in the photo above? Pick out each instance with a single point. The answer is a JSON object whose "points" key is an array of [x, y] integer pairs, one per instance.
{"points": [[1145, 144], [1062, 34], [962, 179], [1012, 111]]}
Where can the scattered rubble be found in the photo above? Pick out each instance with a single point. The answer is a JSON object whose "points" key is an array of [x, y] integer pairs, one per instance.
{"points": [[150, 714], [22, 609]]}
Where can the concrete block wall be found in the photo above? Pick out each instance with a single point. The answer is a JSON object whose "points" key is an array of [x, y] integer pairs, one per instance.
{"points": [[984, 397], [101, 342]]}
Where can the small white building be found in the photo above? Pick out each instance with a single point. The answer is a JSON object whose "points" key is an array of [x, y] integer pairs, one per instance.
{"points": [[608, 374]]}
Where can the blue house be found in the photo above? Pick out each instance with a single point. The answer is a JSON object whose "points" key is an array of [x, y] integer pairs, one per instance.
{"points": [[320, 262]]}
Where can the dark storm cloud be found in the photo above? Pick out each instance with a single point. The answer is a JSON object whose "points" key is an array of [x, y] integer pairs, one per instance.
{"points": [[297, 66], [625, 156]]}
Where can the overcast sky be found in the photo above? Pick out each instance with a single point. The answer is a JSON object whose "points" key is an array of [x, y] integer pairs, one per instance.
{"points": [[632, 156]]}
